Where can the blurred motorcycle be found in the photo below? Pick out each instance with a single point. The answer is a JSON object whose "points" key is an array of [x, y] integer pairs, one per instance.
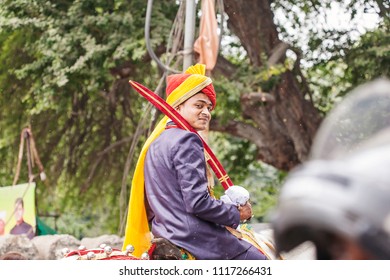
{"points": [[340, 198]]}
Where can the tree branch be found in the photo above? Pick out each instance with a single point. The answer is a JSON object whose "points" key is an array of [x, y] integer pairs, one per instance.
{"points": [[277, 53], [239, 129], [224, 67], [253, 97]]}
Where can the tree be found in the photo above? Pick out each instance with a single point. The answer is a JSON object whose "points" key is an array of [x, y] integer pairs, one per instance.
{"points": [[276, 116], [278, 111]]}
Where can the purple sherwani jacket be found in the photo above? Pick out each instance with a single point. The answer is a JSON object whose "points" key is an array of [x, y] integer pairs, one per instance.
{"points": [[180, 207]]}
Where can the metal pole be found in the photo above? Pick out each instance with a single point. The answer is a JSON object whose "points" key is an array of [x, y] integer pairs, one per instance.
{"points": [[189, 34]]}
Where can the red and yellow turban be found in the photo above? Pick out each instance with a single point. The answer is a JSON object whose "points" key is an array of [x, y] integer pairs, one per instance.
{"points": [[180, 87]]}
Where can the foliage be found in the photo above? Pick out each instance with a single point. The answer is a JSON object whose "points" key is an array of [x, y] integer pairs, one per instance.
{"points": [[264, 185], [262, 181], [370, 57], [228, 102], [338, 53]]}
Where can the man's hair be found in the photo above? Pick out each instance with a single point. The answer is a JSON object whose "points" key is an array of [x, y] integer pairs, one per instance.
{"points": [[19, 200]]}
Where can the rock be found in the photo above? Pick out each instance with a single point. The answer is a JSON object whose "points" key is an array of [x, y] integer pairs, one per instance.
{"points": [[94, 242], [18, 243], [50, 246]]}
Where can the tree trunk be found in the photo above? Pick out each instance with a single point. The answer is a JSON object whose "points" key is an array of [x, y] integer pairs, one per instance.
{"points": [[285, 122]]}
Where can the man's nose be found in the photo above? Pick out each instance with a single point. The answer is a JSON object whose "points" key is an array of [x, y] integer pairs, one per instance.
{"points": [[205, 111]]}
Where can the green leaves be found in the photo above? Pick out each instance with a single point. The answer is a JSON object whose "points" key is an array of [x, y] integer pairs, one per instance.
{"points": [[64, 70]]}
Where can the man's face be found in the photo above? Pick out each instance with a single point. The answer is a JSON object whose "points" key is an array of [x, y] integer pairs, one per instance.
{"points": [[2, 227], [19, 211], [196, 111]]}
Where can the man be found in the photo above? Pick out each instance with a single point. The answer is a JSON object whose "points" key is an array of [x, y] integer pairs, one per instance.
{"points": [[172, 168], [21, 226]]}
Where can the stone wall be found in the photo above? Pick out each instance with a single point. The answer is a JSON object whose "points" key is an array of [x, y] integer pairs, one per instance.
{"points": [[49, 247]]}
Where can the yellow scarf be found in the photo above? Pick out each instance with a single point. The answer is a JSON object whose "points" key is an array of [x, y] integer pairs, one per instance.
{"points": [[137, 228]]}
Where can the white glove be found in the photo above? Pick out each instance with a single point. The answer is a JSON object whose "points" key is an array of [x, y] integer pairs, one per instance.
{"points": [[237, 195], [226, 199]]}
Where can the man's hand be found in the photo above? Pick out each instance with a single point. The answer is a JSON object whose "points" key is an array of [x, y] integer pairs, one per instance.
{"points": [[245, 212]]}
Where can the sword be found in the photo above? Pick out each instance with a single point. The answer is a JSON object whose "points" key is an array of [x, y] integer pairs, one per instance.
{"points": [[171, 113]]}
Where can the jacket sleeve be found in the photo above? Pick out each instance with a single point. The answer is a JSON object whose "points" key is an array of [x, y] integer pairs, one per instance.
{"points": [[190, 165]]}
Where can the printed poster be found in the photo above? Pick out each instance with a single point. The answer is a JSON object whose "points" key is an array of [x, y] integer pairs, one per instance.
{"points": [[17, 210]]}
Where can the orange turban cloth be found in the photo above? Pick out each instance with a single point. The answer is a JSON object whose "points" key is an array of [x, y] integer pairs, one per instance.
{"points": [[180, 87]]}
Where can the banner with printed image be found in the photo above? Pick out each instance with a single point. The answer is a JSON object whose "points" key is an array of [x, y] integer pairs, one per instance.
{"points": [[17, 210]]}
